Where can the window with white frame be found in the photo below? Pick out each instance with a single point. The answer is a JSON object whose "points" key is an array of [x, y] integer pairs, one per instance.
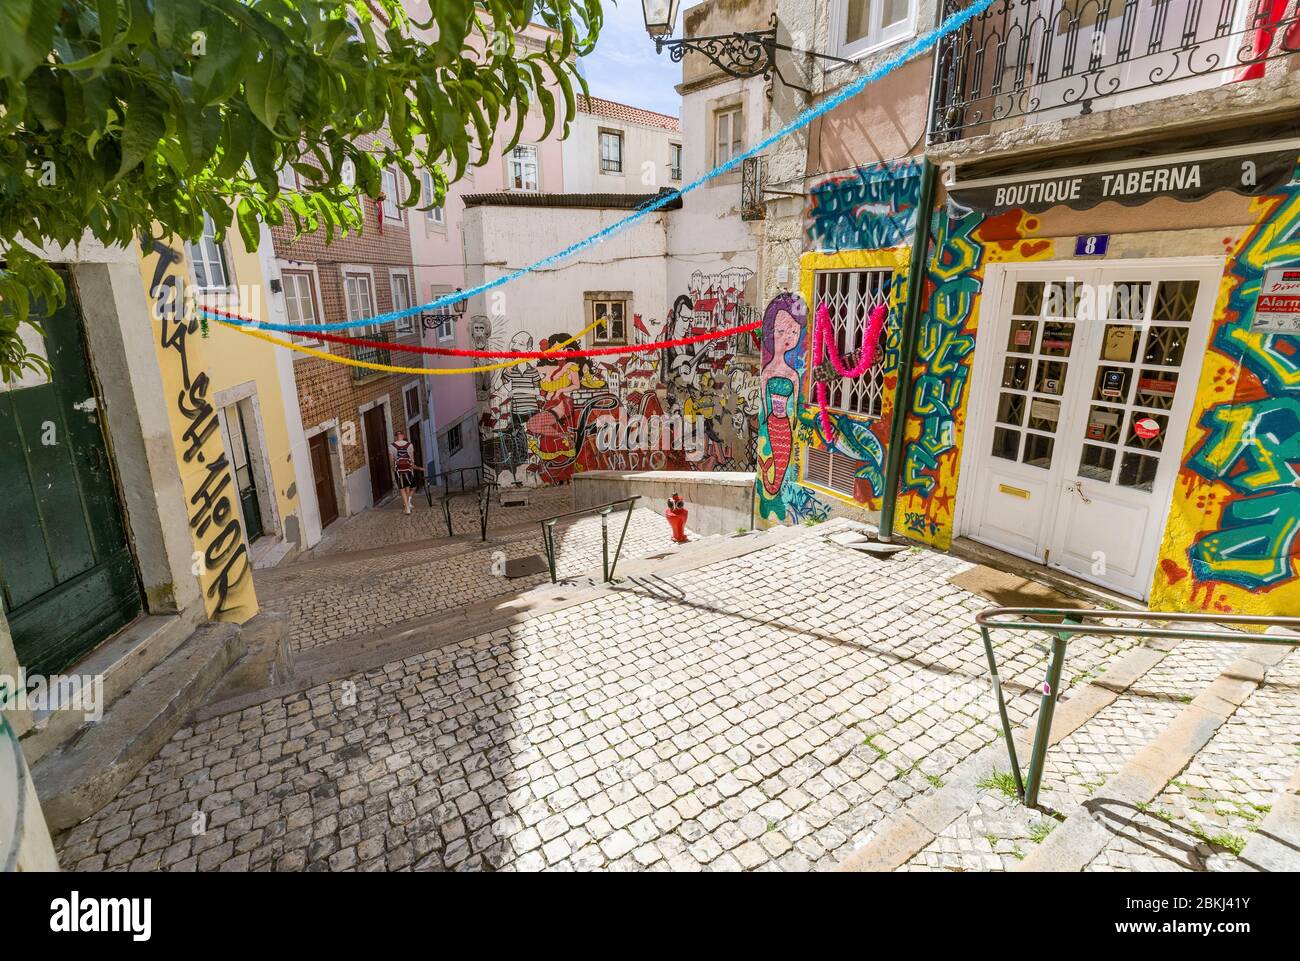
{"points": [[613, 314], [675, 161], [444, 317], [434, 215], [300, 300], [729, 130], [611, 152], [523, 169], [211, 271], [401, 284], [863, 25], [360, 295], [850, 296], [392, 194]]}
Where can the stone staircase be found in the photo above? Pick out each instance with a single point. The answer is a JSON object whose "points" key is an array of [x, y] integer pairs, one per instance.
{"points": [[1178, 756], [87, 769]]}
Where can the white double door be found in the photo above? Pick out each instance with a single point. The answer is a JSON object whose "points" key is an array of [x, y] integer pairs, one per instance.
{"points": [[1084, 382]]}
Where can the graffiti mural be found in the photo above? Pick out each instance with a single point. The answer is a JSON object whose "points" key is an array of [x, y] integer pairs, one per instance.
{"points": [[686, 408], [1233, 538], [945, 349], [872, 208], [779, 384], [221, 554]]}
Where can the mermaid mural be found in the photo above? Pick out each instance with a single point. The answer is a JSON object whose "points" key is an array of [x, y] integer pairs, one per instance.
{"points": [[780, 373]]}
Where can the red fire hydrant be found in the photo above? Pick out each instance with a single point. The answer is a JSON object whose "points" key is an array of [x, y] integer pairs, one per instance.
{"points": [[677, 514]]}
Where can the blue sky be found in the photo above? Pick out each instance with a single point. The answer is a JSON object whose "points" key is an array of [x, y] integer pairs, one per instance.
{"points": [[625, 67]]}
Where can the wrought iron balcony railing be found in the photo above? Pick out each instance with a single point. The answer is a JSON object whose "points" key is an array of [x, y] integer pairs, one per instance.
{"points": [[1029, 61], [372, 355]]}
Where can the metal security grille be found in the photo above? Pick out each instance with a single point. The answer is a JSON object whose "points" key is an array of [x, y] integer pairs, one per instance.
{"points": [[830, 471], [850, 296]]}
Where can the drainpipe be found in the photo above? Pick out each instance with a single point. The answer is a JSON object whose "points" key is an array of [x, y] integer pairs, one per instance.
{"points": [[907, 349]]}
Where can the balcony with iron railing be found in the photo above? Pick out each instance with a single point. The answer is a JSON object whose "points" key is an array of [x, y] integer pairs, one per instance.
{"points": [[1023, 66], [753, 181], [372, 355]]}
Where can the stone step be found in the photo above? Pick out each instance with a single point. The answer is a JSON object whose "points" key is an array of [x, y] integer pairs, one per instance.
{"points": [[1087, 831], [89, 769], [1115, 745]]}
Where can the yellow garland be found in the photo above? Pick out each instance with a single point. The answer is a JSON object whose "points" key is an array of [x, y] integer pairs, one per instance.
{"points": [[389, 368]]}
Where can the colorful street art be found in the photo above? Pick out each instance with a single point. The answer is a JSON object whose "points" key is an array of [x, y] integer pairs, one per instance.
{"points": [[872, 208], [686, 408], [1233, 538], [779, 386]]}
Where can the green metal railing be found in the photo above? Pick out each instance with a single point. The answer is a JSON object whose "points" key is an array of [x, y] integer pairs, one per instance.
{"points": [[484, 494], [1070, 623], [604, 510], [434, 481]]}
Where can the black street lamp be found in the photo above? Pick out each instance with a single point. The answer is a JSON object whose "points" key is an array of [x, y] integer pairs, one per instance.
{"points": [[745, 54]]}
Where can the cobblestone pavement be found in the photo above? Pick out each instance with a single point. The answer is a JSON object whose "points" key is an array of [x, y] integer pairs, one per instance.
{"points": [[999, 831], [1201, 821], [757, 713], [359, 596], [387, 524]]}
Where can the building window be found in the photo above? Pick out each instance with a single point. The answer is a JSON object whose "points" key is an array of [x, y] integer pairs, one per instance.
{"points": [[729, 126], [863, 25], [360, 297], [434, 215], [613, 313], [412, 403], [611, 152], [300, 300], [675, 161], [444, 326], [850, 296], [523, 171], [454, 440], [209, 259], [392, 194], [401, 284]]}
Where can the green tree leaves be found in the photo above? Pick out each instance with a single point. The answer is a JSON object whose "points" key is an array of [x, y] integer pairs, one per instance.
{"points": [[130, 117]]}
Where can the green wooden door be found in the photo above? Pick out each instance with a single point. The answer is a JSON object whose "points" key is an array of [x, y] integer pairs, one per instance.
{"points": [[66, 570]]}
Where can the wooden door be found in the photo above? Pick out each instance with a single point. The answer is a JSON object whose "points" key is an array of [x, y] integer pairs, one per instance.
{"points": [[66, 571], [326, 501], [381, 473]]}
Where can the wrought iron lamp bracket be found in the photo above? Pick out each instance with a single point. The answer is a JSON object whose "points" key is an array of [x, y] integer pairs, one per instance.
{"points": [[741, 55]]}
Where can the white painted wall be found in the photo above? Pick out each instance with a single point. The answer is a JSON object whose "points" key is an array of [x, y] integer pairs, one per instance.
{"points": [[707, 233], [646, 157], [551, 301]]}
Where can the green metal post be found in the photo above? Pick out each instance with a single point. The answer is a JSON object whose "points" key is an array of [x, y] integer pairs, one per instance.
{"points": [[1046, 708], [604, 543], [446, 510], [548, 539], [627, 519], [1002, 712], [907, 349], [484, 506]]}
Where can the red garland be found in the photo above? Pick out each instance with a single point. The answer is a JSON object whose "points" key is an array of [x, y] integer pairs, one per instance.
{"points": [[509, 354]]}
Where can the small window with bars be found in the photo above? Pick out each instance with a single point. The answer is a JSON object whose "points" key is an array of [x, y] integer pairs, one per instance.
{"points": [[850, 296]]}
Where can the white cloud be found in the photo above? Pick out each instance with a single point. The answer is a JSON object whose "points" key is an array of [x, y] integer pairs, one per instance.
{"points": [[625, 67]]}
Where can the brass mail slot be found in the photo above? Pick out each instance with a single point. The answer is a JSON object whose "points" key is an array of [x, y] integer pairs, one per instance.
{"points": [[1013, 491]]}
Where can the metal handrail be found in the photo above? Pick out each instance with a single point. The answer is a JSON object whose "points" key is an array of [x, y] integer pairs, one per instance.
{"points": [[1076, 621], [484, 494], [604, 510], [435, 480]]}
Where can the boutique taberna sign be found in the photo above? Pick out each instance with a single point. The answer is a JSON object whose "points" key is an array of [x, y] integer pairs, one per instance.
{"points": [[1188, 178]]}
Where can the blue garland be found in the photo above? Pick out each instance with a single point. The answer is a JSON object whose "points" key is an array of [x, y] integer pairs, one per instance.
{"points": [[922, 43]]}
